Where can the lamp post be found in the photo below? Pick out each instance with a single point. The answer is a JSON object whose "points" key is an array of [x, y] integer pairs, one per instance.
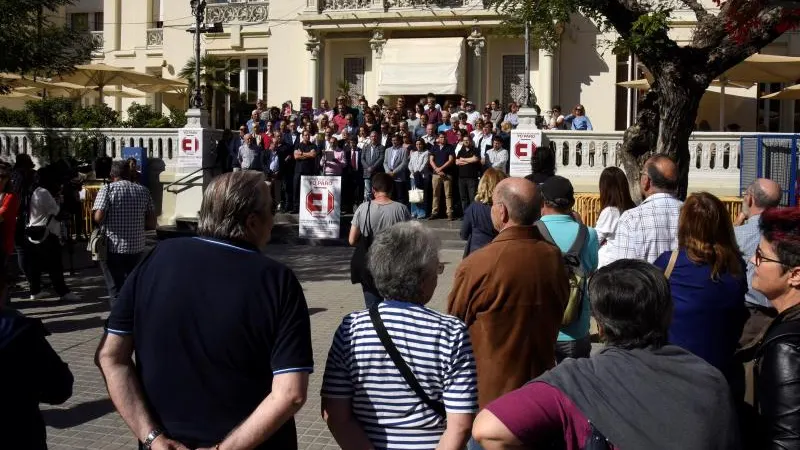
{"points": [[199, 13]]}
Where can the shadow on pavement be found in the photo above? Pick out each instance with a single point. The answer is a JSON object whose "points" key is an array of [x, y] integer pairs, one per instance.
{"points": [[78, 414], [67, 326], [309, 266], [312, 311]]}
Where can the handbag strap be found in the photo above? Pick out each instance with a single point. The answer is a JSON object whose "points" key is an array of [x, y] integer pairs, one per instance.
{"points": [[405, 371], [367, 224], [673, 258]]}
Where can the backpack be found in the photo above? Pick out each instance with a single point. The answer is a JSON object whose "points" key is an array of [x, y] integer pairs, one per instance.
{"points": [[576, 275]]}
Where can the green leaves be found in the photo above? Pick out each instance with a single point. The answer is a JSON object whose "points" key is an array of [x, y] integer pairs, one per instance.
{"points": [[33, 45]]}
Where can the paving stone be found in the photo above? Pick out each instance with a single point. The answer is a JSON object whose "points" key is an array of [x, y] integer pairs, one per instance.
{"points": [[88, 420]]}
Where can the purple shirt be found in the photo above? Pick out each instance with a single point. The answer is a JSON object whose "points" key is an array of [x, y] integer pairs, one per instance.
{"points": [[537, 411]]}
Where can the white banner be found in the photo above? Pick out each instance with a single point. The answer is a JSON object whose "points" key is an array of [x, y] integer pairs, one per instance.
{"points": [[190, 149], [320, 207], [523, 145]]}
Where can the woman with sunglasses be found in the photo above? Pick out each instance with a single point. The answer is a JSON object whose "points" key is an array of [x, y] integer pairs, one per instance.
{"points": [[776, 351]]}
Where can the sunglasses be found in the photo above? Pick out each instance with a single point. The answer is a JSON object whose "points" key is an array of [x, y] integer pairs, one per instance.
{"points": [[759, 258]]}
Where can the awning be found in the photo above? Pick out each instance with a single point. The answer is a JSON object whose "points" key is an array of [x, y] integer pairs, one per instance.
{"points": [[419, 66]]}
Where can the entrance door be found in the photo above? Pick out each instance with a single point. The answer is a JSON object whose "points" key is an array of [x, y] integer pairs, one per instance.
{"points": [[513, 79]]}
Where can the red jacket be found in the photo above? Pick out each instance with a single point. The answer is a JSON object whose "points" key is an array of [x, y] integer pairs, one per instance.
{"points": [[8, 211]]}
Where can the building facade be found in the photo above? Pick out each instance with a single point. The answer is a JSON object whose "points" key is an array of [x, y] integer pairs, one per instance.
{"points": [[288, 49]]}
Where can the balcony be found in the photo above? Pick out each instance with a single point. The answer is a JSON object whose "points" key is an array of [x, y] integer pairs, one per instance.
{"points": [[350, 5], [97, 40], [242, 12], [155, 37]]}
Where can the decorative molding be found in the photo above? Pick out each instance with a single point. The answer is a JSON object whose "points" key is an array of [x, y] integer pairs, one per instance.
{"points": [[313, 45], [155, 37], [427, 3], [250, 12], [476, 41], [377, 42], [336, 5]]}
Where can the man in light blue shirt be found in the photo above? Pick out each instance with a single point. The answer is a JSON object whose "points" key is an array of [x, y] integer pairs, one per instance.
{"points": [[558, 198], [761, 195], [579, 120]]}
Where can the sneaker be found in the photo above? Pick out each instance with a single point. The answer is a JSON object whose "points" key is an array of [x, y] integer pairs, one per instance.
{"points": [[38, 296], [69, 297]]}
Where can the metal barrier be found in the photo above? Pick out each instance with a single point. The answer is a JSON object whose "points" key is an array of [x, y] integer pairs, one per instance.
{"points": [[588, 206]]}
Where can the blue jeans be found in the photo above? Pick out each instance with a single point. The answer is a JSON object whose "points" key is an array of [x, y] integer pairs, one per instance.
{"points": [[367, 189], [417, 209]]}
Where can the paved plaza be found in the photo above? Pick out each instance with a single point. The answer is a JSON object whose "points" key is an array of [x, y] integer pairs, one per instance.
{"points": [[88, 419]]}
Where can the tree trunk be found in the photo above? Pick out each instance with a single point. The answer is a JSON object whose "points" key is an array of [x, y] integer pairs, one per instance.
{"points": [[664, 123], [678, 105]]}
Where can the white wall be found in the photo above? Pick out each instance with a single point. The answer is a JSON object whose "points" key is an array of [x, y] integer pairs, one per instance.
{"points": [[288, 58]]}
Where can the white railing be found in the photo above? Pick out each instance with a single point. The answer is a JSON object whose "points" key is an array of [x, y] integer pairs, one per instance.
{"points": [[385, 5], [582, 155], [249, 11], [161, 143]]}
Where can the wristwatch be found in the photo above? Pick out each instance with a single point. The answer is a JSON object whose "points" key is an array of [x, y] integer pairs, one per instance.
{"points": [[152, 436]]}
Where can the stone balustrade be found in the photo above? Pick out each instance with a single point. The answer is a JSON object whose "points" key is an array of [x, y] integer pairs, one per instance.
{"points": [[582, 155], [249, 11], [348, 5], [161, 143]]}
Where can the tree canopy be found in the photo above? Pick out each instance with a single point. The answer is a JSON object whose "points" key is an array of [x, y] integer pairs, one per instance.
{"points": [[726, 33], [34, 44]]}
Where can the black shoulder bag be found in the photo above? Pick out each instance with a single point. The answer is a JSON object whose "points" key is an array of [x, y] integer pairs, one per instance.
{"points": [[401, 365], [358, 263]]}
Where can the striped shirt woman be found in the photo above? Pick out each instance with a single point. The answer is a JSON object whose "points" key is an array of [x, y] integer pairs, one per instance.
{"points": [[365, 398]]}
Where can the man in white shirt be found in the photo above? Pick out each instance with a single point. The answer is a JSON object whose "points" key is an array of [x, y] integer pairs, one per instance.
{"points": [[472, 115], [496, 157], [483, 141], [650, 229], [430, 135]]}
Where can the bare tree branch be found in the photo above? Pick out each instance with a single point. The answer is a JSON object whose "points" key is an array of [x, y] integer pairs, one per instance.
{"points": [[699, 12]]}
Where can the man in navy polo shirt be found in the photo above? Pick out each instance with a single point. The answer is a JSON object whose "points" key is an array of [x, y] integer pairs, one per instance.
{"points": [[221, 333]]}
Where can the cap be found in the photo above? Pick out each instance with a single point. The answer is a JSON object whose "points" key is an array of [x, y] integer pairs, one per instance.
{"points": [[558, 190]]}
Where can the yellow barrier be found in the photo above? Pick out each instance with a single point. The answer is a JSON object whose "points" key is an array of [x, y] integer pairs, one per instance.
{"points": [[88, 203], [588, 206]]}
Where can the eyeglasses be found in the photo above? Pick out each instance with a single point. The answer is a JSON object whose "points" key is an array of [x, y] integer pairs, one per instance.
{"points": [[761, 258]]}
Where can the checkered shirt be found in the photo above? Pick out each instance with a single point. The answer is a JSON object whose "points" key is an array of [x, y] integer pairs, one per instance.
{"points": [[650, 229], [126, 205]]}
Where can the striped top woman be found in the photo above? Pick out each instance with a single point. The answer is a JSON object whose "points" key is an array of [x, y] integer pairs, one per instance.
{"points": [[366, 401]]}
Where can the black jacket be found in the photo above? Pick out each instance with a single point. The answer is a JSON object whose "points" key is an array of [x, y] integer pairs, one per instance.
{"points": [[777, 383], [31, 372]]}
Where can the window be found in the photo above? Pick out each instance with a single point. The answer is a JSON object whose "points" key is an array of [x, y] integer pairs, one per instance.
{"points": [[248, 84], [79, 21], [354, 76], [514, 79], [98, 21], [626, 99], [264, 73], [769, 111]]}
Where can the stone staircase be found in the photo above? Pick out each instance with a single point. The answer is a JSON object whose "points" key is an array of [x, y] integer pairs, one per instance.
{"points": [[286, 231]]}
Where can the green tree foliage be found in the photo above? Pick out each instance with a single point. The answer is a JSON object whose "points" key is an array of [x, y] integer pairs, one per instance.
{"points": [[215, 74], [722, 38], [33, 44]]}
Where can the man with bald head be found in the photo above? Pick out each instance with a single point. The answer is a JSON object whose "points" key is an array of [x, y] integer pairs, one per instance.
{"points": [[761, 195], [650, 229], [511, 294]]}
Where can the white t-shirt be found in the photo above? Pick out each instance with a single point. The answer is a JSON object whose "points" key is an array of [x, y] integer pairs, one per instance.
{"points": [[606, 229], [43, 205]]}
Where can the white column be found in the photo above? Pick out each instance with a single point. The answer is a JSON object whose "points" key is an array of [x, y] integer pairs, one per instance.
{"points": [[376, 43], [544, 93], [477, 42], [313, 45]]}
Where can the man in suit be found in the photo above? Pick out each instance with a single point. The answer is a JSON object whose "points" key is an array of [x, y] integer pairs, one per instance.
{"points": [[371, 162], [395, 164], [511, 294]]}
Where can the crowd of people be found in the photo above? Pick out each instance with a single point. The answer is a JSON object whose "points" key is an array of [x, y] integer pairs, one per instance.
{"points": [[438, 149], [695, 309]]}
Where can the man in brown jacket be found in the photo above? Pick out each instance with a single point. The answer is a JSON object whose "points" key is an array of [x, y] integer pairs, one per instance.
{"points": [[511, 294]]}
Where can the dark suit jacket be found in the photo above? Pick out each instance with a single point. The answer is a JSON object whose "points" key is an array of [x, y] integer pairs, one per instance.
{"points": [[511, 294], [372, 156]]}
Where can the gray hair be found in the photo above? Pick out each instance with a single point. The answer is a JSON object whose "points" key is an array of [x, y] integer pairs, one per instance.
{"points": [[119, 169], [762, 198], [400, 259], [227, 203]]}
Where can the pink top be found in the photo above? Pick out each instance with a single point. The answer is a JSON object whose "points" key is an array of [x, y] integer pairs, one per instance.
{"points": [[537, 411], [333, 162]]}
